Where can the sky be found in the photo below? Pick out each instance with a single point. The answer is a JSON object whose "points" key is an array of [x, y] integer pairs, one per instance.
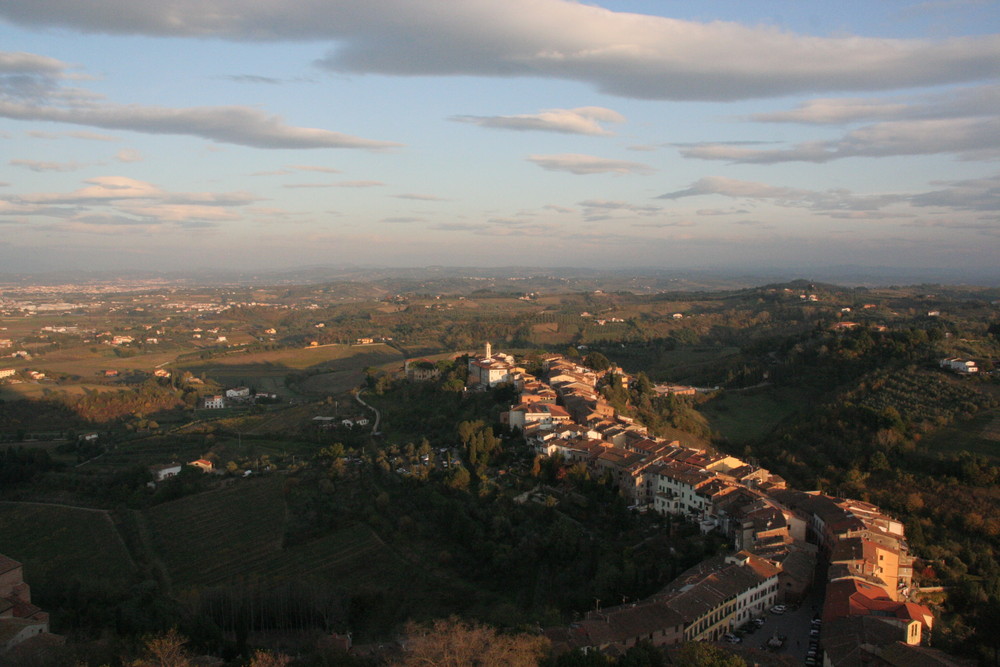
{"points": [[260, 134]]}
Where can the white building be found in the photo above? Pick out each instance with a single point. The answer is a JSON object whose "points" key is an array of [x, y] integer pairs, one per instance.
{"points": [[491, 369], [958, 365], [215, 402]]}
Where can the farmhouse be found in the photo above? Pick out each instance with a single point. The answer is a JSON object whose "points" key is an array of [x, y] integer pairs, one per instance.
{"points": [[164, 470], [203, 464], [957, 365], [214, 402]]}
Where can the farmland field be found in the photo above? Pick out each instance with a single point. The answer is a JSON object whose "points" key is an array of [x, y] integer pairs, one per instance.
{"points": [[218, 535], [237, 534], [746, 416], [40, 390], [81, 361], [337, 367], [58, 544]]}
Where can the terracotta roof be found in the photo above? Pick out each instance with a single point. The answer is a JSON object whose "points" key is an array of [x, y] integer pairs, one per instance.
{"points": [[8, 564]]}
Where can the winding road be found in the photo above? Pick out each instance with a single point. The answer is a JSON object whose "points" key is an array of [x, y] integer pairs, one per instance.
{"points": [[378, 415]]}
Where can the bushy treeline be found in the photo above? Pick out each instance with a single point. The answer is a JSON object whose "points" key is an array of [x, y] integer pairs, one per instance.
{"points": [[20, 464]]}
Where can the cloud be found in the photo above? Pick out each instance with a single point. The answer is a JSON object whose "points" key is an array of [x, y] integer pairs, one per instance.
{"points": [[962, 122], [19, 62], [719, 211], [826, 202], [90, 136], [402, 220], [603, 209], [669, 223], [269, 80], [584, 120], [631, 55], [128, 155], [420, 197], [35, 165], [578, 164], [459, 227], [32, 91], [980, 194], [104, 190], [309, 167], [341, 184], [969, 138], [109, 205]]}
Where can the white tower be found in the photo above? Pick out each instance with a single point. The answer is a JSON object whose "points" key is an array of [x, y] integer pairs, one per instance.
{"points": [[489, 351]]}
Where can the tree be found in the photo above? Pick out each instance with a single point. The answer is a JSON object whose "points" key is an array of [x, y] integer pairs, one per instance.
{"points": [[265, 659], [597, 361], [164, 651], [700, 654], [455, 643]]}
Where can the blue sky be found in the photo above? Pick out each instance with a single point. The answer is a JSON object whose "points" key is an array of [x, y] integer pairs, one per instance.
{"points": [[245, 134]]}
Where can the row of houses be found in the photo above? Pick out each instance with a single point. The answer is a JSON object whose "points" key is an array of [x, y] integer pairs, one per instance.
{"points": [[778, 533], [703, 604]]}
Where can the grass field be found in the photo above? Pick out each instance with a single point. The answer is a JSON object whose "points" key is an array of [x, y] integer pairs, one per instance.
{"points": [[337, 368], [236, 534], [980, 435], [150, 451], [742, 416], [81, 361], [39, 390], [58, 544]]}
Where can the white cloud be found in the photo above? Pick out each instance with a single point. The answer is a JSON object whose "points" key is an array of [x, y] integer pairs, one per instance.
{"points": [[583, 120], [341, 184], [416, 196], [128, 155], [578, 164], [32, 92], [826, 202], [964, 122], [309, 167], [90, 136], [36, 165], [603, 209], [980, 194], [113, 201], [620, 53], [969, 138], [19, 62]]}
